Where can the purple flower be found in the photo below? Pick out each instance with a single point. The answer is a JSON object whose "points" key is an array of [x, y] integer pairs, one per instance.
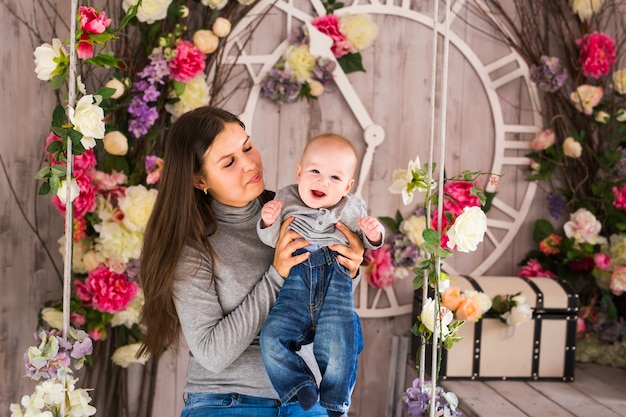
{"points": [[323, 71], [280, 86], [82, 348], [297, 36], [556, 205], [416, 400], [549, 75], [404, 253]]}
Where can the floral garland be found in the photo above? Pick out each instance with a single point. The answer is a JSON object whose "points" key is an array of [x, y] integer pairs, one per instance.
{"points": [[579, 157], [300, 74]]}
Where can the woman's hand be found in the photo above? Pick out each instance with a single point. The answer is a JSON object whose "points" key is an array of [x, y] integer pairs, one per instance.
{"points": [[288, 242], [352, 255]]}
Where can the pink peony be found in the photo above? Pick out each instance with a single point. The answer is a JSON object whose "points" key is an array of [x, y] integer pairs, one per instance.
{"points": [[620, 197], [109, 292], [534, 269], [379, 270], [86, 200], [597, 54], [187, 62], [329, 25], [91, 21]]}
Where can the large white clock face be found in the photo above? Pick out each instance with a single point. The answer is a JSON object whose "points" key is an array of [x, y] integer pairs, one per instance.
{"points": [[491, 116]]}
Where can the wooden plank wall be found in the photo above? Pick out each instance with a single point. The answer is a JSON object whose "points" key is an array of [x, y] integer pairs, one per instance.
{"points": [[395, 91]]}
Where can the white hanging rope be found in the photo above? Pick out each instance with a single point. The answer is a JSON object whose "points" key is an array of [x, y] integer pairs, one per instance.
{"points": [[441, 177]]}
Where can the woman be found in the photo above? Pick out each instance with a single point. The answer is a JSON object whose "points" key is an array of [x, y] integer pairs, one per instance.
{"points": [[204, 271]]}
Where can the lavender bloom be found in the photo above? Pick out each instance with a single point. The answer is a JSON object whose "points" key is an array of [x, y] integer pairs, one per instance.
{"points": [[298, 36], [280, 86], [549, 75], [151, 94], [404, 253], [416, 401], [151, 161], [323, 71], [556, 205]]}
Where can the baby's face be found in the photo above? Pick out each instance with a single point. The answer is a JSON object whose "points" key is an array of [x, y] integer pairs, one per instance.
{"points": [[325, 175]]}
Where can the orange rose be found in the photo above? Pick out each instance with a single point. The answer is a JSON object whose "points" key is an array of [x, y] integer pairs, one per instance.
{"points": [[469, 310], [452, 298]]}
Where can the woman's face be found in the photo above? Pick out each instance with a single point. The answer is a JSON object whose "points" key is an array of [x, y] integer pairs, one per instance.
{"points": [[232, 170]]}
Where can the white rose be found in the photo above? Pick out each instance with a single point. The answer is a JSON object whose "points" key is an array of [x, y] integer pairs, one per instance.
{"points": [[221, 27], [126, 355], [359, 30], [215, 4], [62, 191], [413, 227], [483, 301], [316, 88], [150, 10], [427, 317], [206, 41], [53, 317], [518, 315], [119, 87], [468, 230], [87, 118], [572, 148], [45, 66], [115, 143]]}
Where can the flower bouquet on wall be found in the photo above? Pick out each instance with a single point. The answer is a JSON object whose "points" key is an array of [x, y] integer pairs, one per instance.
{"points": [[140, 65], [573, 50]]}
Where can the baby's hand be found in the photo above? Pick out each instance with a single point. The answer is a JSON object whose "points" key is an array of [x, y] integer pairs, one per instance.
{"points": [[270, 212], [371, 229]]}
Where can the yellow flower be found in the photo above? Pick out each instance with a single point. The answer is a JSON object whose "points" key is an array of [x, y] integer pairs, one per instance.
{"points": [[359, 30], [206, 41], [571, 148], [586, 97], [586, 8], [196, 95], [301, 62], [221, 27]]}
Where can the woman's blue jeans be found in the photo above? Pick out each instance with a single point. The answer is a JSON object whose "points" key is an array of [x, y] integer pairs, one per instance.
{"points": [[316, 305], [200, 404]]}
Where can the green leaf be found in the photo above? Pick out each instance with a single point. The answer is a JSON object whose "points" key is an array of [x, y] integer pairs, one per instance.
{"points": [[351, 62], [44, 189], [58, 171], [58, 117], [54, 184], [115, 163], [179, 88], [104, 60], [431, 237], [543, 229], [105, 92], [43, 173], [391, 223], [57, 81], [55, 147]]}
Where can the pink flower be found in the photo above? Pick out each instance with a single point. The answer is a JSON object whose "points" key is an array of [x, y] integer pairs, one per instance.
{"points": [[583, 227], [110, 292], [597, 54], [84, 50], [91, 21], [620, 197], [98, 333], [104, 181], [86, 200], [534, 269], [329, 25], [618, 280], [543, 140], [77, 320], [187, 62], [379, 270], [154, 166], [457, 196], [602, 261]]}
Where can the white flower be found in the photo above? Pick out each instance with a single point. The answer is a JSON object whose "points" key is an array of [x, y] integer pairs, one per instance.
{"points": [[119, 87], [427, 317], [62, 191], [53, 317], [586, 8], [53, 392], [572, 148], [619, 81], [215, 4], [47, 59], [221, 27], [150, 10], [402, 182], [91, 261], [301, 62], [137, 205], [583, 227], [126, 355], [519, 314], [602, 117], [88, 119], [196, 95], [79, 404], [481, 300], [359, 30], [206, 41], [621, 115], [413, 227], [468, 230], [131, 314], [116, 243], [115, 143]]}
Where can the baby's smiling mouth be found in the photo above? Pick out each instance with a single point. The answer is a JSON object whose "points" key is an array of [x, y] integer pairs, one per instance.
{"points": [[317, 194]]}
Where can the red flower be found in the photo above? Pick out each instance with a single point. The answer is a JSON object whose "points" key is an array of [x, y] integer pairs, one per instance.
{"points": [[106, 290], [620, 197], [84, 49], [187, 62], [329, 25], [597, 54]]}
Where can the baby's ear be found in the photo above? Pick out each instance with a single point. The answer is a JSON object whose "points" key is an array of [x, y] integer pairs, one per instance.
{"points": [[349, 185], [298, 172]]}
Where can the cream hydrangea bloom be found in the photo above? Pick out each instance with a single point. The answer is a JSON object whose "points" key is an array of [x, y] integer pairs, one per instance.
{"points": [[301, 62], [116, 243], [126, 355], [359, 30], [131, 315], [196, 95], [137, 205], [413, 227]]}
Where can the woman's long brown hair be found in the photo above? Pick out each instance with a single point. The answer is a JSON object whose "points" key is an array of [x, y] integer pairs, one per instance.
{"points": [[182, 215]]}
